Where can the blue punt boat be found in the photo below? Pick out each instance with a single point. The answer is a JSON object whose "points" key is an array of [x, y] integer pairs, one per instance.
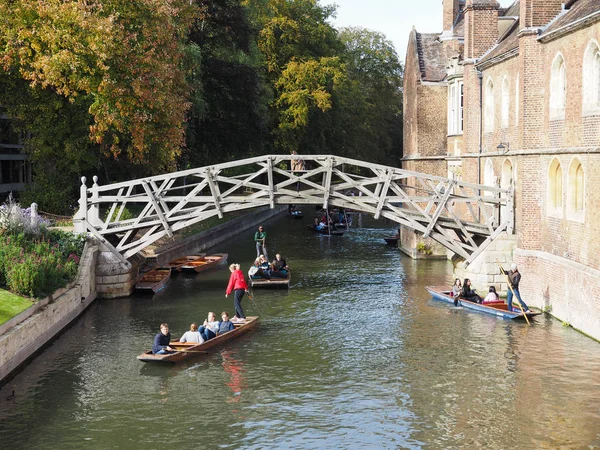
{"points": [[498, 309]]}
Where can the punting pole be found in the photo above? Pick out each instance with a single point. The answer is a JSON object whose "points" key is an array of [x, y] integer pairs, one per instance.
{"points": [[513, 292]]}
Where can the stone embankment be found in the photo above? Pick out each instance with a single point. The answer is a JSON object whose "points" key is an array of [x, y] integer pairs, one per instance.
{"points": [[25, 334]]}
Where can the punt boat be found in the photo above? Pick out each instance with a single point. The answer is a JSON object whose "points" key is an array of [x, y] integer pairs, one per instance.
{"points": [[274, 282], [154, 280], [392, 240], [204, 263], [177, 263], [185, 350], [326, 231], [498, 309]]}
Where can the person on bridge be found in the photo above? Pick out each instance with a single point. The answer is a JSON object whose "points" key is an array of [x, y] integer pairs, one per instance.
{"points": [[514, 276], [193, 335], [237, 285], [260, 237], [162, 341]]}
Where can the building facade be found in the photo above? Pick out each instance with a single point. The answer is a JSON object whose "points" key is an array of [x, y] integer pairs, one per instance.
{"points": [[520, 91]]}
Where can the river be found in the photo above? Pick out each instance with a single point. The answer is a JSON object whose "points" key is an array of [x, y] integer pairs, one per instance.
{"points": [[354, 355]]}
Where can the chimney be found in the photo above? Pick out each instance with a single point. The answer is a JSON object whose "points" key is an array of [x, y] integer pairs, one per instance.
{"points": [[451, 9], [538, 13], [481, 27]]}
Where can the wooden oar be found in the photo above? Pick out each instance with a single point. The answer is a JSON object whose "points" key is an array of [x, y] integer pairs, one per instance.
{"points": [[513, 292]]}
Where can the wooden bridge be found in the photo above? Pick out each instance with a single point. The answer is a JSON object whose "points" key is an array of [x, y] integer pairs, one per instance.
{"points": [[462, 217]]}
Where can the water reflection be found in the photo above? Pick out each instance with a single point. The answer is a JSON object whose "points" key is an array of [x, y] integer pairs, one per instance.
{"points": [[355, 355]]}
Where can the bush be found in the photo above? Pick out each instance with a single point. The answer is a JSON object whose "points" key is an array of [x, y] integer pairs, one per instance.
{"points": [[125, 215], [36, 266]]}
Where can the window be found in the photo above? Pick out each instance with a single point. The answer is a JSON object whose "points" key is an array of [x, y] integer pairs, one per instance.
{"points": [[505, 102], [591, 79], [489, 106], [455, 108], [558, 88], [517, 101], [575, 192], [555, 188]]}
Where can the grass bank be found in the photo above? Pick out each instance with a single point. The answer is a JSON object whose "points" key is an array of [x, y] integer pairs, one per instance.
{"points": [[11, 305]]}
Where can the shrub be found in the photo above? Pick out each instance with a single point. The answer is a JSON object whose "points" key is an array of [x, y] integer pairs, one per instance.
{"points": [[125, 215]]}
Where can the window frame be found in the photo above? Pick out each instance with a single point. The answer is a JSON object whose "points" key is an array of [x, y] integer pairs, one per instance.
{"points": [[591, 79], [558, 88], [576, 191], [555, 189], [490, 106]]}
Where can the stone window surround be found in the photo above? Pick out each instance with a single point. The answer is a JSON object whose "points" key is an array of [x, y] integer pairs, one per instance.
{"points": [[576, 191], [591, 79], [555, 189], [504, 117], [489, 108], [558, 87]]}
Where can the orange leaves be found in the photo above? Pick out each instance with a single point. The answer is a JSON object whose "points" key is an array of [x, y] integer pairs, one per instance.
{"points": [[127, 54]]}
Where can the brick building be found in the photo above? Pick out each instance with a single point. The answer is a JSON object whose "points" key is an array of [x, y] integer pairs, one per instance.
{"points": [[511, 96]]}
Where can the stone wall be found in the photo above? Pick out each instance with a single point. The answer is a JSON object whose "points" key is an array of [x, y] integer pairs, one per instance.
{"points": [[25, 339]]}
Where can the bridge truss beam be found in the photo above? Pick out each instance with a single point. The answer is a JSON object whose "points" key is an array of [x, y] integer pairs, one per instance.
{"points": [[463, 217]]}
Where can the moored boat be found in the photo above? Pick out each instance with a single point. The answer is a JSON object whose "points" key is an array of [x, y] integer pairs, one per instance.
{"points": [[204, 263], [296, 214], [392, 240], [154, 280], [499, 309], [177, 263], [185, 350], [273, 282]]}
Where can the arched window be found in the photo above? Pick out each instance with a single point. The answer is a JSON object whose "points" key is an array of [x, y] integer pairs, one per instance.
{"points": [[517, 101], [575, 191], [591, 79], [555, 188], [505, 102], [558, 88], [489, 178], [489, 106]]}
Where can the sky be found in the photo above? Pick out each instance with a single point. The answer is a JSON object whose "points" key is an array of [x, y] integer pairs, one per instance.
{"points": [[394, 18]]}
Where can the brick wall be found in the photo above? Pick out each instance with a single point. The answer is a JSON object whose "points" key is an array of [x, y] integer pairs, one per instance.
{"points": [[538, 13], [481, 30]]}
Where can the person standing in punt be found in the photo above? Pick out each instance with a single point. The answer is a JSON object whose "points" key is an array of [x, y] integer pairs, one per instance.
{"points": [[260, 237], [514, 276], [162, 340], [237, 285]]}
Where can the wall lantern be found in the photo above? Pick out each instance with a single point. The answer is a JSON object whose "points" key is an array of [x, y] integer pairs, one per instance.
{"points": [[503, 147]]}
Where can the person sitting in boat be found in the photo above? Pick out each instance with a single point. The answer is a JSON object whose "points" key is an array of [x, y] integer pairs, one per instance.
{"points": [[193, 335], [162, 340], [210, 327], [469, 294], [225, 324], [456, 288], [264, 268], [280, 267], [492, 296]]}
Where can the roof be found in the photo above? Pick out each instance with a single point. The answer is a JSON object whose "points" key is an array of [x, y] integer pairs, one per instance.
{"points": [[432, 61], [579, 10], [508, 42], [513, 10]]}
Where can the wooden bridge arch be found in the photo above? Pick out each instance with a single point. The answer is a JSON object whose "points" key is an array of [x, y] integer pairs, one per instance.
{"points": [[463, 217]]}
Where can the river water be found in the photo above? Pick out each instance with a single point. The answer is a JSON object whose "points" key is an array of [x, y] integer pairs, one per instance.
{"points": [[355, 355]]}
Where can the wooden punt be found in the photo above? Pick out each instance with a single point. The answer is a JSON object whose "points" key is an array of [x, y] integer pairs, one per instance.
{"points": [[296, 214], [498, 309], [154, 280], [392, 240], [185, 350], [177, 263], [325, 231], [205, 263], [272, 283]]}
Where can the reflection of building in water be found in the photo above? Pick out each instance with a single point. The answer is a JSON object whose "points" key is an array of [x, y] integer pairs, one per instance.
{"points": [[15, 170]]}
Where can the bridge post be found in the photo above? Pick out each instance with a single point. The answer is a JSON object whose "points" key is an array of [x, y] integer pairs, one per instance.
{"points": [[94, 213], [81, 217], [510, 207], [327, 182]]}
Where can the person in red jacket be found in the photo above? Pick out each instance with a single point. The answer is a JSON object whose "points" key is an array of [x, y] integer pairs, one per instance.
{"points": [[237, 284]]}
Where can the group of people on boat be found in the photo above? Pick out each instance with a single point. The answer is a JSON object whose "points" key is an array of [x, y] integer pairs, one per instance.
{"points": [[209, 329], [464, 291], [328, 220], [262, 268]]}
